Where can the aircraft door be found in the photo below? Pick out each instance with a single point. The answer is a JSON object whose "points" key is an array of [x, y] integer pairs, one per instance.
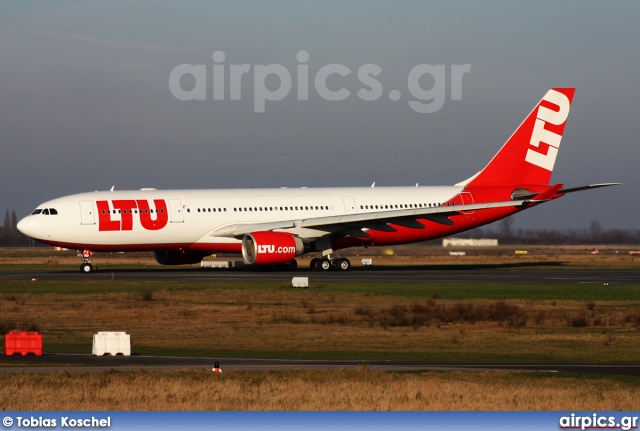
{"points": [[349, 205], [467, 199], [176, 211], [86, 213]]}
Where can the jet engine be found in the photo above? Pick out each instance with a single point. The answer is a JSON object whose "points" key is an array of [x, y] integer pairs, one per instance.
{"points": [[177, 257], [271, 248]]}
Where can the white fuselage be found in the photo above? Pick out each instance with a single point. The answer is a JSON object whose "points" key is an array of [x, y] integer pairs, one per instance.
{"points": [[192, 216]]}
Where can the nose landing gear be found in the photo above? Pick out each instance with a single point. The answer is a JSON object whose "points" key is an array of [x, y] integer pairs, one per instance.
{"points": [[85, 256]]}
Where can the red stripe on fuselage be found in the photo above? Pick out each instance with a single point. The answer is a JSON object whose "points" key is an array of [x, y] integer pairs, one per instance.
{"points": [[205, 248], [461, 222]]}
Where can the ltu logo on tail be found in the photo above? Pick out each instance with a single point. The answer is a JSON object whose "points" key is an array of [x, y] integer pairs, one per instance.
{"points": [[540, 135]]}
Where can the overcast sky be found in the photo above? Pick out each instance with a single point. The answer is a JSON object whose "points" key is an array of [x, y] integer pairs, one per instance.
{"points": [[85, 101]]}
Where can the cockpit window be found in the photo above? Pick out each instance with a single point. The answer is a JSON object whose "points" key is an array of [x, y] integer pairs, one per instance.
{"points": [[38, 211], [45, 211], [53, 211]]}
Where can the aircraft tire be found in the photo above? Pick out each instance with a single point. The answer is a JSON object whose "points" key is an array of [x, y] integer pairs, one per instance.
{"points": [[324, 264], [343, 264], [86, 268]]}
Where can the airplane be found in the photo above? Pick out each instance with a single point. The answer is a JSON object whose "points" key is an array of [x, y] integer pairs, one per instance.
{"points": [[270, 227]]}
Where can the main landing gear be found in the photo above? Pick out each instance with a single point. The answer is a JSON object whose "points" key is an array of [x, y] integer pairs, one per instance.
{"points": [[85, 256], [326, 263]]}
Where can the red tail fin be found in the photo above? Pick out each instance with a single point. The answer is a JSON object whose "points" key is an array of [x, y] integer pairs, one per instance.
{"points": [[529, 154]]}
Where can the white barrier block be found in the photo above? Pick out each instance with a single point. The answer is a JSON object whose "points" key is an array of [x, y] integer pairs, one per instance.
{"points": [[367, 262], [457, 253], [300, 281], [215, 264], [111, 343]]}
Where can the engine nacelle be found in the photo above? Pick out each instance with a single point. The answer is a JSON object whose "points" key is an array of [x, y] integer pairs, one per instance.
{"points": [[177, 257], [270, 248]]}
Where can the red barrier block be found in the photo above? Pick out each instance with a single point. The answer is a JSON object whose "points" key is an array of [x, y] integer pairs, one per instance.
{"points": [[23, 343]]}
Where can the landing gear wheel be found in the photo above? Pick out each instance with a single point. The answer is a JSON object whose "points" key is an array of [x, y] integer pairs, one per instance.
{"points": [[86, 268], [313, 263], [324, 264], [343, 264]]}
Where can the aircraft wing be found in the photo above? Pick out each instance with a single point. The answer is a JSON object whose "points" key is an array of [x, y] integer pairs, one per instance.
{"points": [[353, 224]]}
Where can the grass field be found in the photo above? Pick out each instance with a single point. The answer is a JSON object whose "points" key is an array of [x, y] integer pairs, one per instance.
{"points": [[473, 322], [315, 390], [411, 321]]}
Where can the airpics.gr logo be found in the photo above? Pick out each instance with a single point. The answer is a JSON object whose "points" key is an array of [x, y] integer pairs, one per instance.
{"points": [[330, 82], [598, 421], [540, 135]]}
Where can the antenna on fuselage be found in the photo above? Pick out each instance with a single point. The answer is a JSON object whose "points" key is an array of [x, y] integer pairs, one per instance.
{"points": [[112, 187], [373, 185]]}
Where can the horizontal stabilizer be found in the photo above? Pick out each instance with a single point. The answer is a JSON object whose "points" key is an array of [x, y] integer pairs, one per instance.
{"points": [[548, 194], [589, 187]]}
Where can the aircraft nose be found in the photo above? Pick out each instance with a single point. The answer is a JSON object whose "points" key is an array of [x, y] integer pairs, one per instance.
{"points": [[25, 227]]}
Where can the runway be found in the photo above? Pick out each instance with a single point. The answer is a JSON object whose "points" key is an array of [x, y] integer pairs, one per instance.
{"points": [[507, 274], [88, 363]]}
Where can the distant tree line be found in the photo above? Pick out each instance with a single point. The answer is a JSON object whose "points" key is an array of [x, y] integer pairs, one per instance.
{"points": [[594, 234], [10, 236]]}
